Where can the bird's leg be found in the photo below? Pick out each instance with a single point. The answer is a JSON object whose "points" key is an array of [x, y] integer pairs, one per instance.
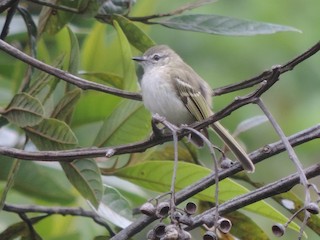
{"points": [[156, 131]]}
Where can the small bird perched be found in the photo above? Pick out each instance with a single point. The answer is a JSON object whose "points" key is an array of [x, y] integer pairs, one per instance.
{"points": [[172, 89]]}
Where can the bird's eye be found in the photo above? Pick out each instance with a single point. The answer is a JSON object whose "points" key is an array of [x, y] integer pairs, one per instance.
{"points": [[156, 57]]}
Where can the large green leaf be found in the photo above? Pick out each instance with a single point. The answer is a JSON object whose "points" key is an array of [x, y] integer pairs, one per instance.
{"points": [[128, 123], [52, 134], [38, 181], [115, 208], [11, 175], [136, 36], [66, 105], [67, 43], [128, 67], [32, 29], [104, 77], [44, 84], [187, 152], [85, 176], [98, 56], [222, 25], [156, 175], [101, 51], [240, 225], [89, 8], [94, 107], [24, 110]]}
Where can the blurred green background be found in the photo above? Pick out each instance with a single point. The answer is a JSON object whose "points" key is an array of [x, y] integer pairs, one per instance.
{"points": [[222, 60]]}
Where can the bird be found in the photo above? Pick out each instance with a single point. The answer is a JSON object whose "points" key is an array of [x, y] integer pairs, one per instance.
{"points": [[173, 90]]}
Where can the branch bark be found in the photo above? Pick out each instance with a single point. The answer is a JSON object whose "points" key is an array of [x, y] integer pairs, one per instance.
{"points": [[280, 186], [57, 210], [68, 77], [69, 155]]}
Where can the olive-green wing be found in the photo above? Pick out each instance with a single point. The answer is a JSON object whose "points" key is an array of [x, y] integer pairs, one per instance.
{"points": [[193, 100]]}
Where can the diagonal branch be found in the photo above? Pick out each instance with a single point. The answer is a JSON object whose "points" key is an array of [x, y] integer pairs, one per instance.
{"points": [[266, 74], [272, 189], [280, 186], [68, 77]]}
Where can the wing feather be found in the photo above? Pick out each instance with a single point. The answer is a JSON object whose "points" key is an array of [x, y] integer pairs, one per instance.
{"points": [[193, 100]]}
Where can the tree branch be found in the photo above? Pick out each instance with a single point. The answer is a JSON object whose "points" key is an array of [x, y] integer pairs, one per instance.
{"points": [[280, 186], [86, 85], [69, 155], [77, 81], [266, 74], [22, 209], [272, 189]]}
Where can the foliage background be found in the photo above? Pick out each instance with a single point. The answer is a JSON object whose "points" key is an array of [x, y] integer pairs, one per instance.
{"points": [[221, 60]]}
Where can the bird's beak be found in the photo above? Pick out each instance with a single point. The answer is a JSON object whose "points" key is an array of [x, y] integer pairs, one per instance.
{"points": [[139, 59]]}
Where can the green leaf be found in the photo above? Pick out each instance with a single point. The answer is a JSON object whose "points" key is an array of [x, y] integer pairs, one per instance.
{"points": [[24, 110], [44, 84], [156, 175], [222, 25], [136, 36], [104, 77], [94, 49], [38, 181], [93, 107], [128, 67], [52, 20], [128, 123], [73, 54], [240, 225], [115, 208], [12, 174], [100, 53], [85, 176], [89, 8], [52, 134], [66, 105], [186, 152], [32, 29]]}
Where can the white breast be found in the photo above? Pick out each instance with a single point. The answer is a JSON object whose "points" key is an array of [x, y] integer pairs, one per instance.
{"points": [[159, 97]]}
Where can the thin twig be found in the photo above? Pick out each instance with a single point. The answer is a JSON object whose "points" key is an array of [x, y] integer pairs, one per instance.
{"points": [[57, 210], [304, 223], [216, 171], [9, 17], [292, 155], [173, 130], [29, 223]]}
